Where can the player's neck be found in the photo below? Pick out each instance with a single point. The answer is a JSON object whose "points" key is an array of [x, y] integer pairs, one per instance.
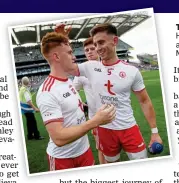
{"points": [[111, 61], [58, 72]]}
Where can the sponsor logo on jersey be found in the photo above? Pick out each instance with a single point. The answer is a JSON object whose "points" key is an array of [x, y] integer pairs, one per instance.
{"points": [[109, 86], [81, 120], [97, 69], [122, 74], [110, 100], [65, 95]]}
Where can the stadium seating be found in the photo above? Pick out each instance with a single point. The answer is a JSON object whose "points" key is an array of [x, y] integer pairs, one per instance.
{"points": [[33, 53], [30, 62]]}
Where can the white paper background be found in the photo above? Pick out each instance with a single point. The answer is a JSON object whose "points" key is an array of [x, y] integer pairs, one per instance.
{"points": [[149, 170]]}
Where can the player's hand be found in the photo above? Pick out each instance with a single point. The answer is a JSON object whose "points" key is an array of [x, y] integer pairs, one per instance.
{"points": [[155, 137], [105, 115], [60, 28]]}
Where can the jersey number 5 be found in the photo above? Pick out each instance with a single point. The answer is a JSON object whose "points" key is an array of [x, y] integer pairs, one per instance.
{"points": [[109, 71]]}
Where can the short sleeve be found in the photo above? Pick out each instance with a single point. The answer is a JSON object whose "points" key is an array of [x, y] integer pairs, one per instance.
{"points": [[77, 83], [27, 96], [50, 108], [138, 83], [83, 69], [86, 69]]}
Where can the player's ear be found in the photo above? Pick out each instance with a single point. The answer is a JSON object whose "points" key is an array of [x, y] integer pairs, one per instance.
{"points": [[116, 40], [56, 56]]}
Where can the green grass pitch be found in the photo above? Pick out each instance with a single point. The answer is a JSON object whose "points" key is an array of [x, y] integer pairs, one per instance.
{"points": [[36, 150]]}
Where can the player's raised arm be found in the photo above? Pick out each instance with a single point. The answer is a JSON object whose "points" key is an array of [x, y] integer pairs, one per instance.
{"points": [[82, 69], [61, 28], [77, 83], [78, 69], [147, 107]]}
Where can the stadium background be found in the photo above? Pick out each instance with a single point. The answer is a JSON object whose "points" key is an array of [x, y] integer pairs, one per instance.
{"points": [[29, 62]]}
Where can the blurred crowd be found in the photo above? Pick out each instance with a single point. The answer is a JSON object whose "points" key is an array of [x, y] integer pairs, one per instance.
{"points": [[30, 53], [35, 81], [147, 67]]}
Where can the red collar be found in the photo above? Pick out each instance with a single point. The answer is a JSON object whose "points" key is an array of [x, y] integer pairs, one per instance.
{"points": [[111, 64], [59, 79]]}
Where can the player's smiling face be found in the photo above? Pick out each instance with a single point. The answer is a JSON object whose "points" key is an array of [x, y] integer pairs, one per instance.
{"points": [[105, 45]]}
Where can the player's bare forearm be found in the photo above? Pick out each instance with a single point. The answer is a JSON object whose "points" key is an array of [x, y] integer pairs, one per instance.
{"points": [[147, 107], [71, 134], [62, 136], [65, 135], [149, 113]]}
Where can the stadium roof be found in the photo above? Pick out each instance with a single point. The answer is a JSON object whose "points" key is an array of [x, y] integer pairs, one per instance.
{"points": [[80, 28]]}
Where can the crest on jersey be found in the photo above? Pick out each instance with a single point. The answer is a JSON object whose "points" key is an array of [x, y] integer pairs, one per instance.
{"points": [[122, 74]]}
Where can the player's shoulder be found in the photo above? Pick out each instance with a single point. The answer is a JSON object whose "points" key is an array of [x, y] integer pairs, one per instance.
{"points": [[80, 78], [129, 66], [42, 91], [92, 62], [43, 97], [49, 88]]}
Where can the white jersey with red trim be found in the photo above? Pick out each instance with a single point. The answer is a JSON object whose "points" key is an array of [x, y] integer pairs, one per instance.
{"points": [[58, 101], [82, 82], [112, 85]]}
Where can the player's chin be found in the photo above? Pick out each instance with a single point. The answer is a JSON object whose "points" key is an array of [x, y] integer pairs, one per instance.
{"points": [[90, 58], [104, 58], [70, 68]]}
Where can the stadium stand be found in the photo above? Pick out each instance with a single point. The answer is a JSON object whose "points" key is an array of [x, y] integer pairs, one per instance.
{"points": [[30, 62], [33, 53]]}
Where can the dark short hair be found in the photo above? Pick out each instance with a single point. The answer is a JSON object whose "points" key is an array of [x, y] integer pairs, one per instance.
{"points": [[106, 27], [88, 41]]}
